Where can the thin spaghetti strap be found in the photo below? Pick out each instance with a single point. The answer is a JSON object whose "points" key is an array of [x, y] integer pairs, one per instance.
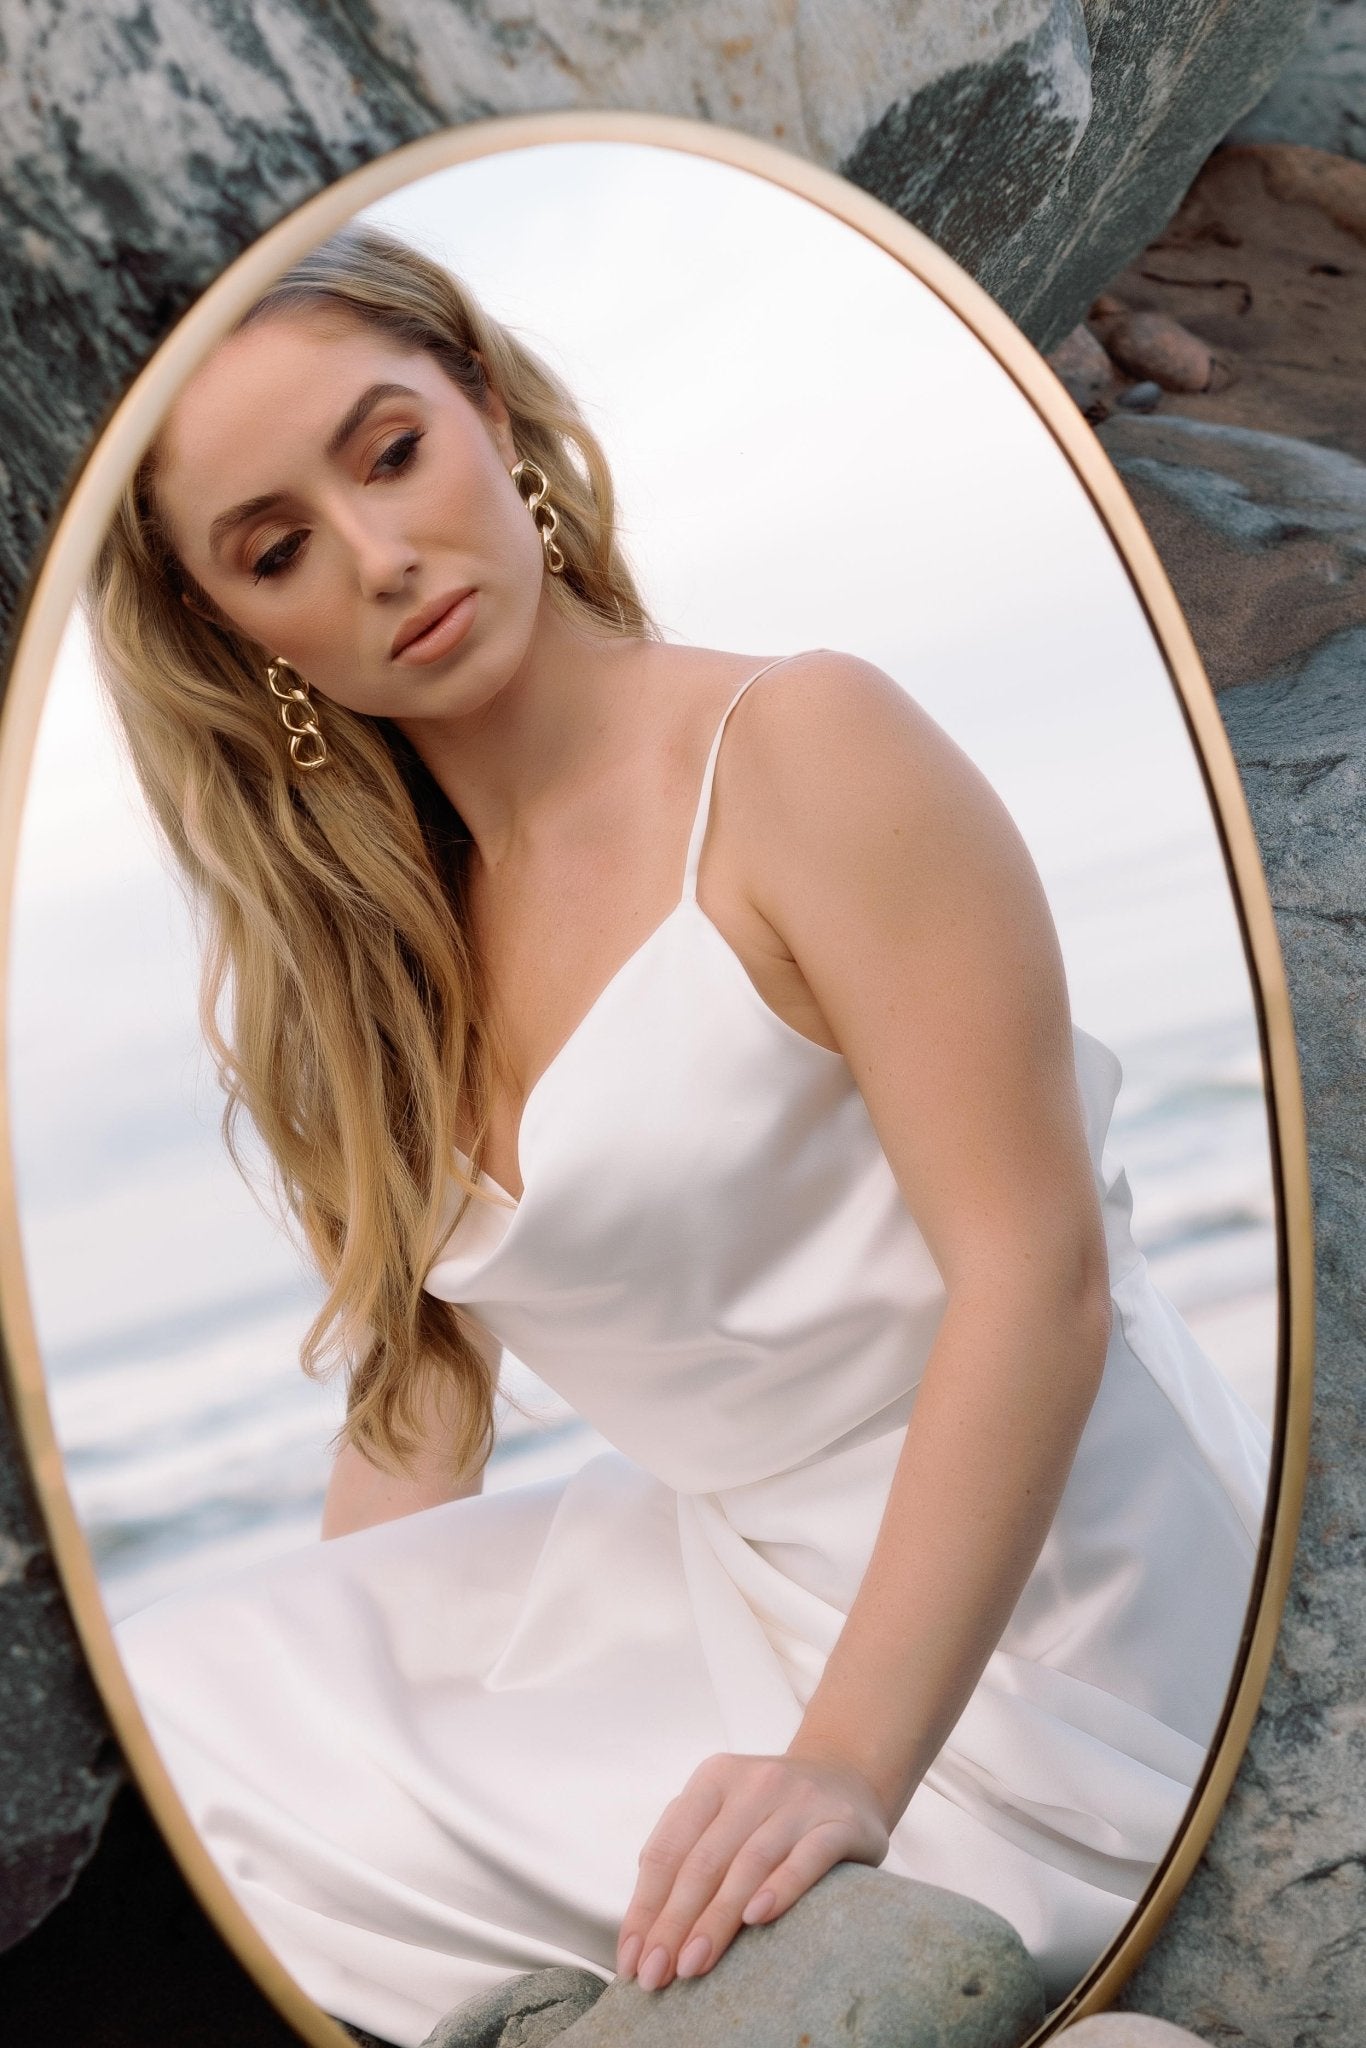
{"points": [[699, 824]]}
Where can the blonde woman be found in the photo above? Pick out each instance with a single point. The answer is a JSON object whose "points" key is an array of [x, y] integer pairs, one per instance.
{"points": [[733, 1089]]}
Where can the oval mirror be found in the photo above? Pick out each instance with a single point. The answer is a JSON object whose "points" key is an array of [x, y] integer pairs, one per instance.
{"points": [[411, 1743]]}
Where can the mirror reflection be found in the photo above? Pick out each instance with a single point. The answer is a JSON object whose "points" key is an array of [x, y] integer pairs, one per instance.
{"points": [[610, 739]]}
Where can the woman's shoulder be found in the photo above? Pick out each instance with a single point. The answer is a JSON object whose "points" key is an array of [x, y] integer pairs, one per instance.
{"points": [[688, 661], [822, 728], [824, 685], [820, 707], [830, 751]]}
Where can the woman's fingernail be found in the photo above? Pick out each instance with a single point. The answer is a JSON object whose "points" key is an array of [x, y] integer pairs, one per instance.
{"points": [[694, 1955], [756, 1908], [651, 1972], [630, 1952]]}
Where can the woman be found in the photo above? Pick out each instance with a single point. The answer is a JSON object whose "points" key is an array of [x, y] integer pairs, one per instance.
{"points": [[734, 1090]]}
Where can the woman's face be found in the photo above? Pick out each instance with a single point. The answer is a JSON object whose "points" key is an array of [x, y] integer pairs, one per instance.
{"points": [[327, 518]]}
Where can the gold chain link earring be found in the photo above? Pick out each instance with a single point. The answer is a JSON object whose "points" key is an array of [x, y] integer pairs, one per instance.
{"points": [[297, 715], [543, 513]]}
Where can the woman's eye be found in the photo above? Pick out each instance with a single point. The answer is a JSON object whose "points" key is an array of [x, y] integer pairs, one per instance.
{"points": [[395, 458], [275, 559], [399, 453]]}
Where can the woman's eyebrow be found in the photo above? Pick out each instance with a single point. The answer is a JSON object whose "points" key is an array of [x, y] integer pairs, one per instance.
{"points": [[354, 417]]}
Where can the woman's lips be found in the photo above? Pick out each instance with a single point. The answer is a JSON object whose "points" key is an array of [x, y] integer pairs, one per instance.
{"points": [[448, 631]]}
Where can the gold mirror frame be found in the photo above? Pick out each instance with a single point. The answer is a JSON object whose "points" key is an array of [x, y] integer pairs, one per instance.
{"points": [[52, 592]]}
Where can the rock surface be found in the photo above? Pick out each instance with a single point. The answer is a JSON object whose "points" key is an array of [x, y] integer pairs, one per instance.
{"points": [[1265, 262], [1263, 535], [1041, 142], [1255, 491], [1158, 349], [1269, 1930], [863, 1960], [1320, 96], [59, 1767], [1085, 367], [527, 2012], [1262, 529]]}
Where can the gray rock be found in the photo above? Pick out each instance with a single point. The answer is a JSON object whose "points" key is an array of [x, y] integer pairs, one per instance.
{"points": [[1144, 397], [526, 2012], [1264, 1944], [1263, 535], [1082, 364], [1252, 489], [59, 1766], [1320, 96], [864, 1959], [1042, 144]]}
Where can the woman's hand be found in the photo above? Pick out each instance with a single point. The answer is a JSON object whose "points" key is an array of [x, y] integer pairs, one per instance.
{"points": [[744, 1839]]}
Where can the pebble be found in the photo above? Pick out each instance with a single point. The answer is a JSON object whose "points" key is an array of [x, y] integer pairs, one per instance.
{"points": [[1154, 346], [1084, 368], [1128, 2030]]}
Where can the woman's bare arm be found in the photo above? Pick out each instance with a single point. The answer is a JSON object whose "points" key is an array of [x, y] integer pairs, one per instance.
{"points": [[360, 1493], [895, 879], [923, 930]]}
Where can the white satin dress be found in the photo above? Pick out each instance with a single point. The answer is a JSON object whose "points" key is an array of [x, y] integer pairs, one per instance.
{"points": [[425, 1756]]}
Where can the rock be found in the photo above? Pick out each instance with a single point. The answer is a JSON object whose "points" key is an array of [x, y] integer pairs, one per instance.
{"points": [[1265, 260], [59, 1766], [1320, 96], [1038, 144], [129, 1959], [1155, 347], [1128, 2030], [1041, 142], [1263, 535], [1082, 364], [1261, 528], [1143, 397], [864, 1959], [1295, 175], [526, 2012]]}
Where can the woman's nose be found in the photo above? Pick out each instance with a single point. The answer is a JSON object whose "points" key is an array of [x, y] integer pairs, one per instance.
{"points": [[384, 560]]}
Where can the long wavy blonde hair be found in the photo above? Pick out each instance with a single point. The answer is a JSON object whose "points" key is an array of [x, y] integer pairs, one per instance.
{"points": [[331, 905]]}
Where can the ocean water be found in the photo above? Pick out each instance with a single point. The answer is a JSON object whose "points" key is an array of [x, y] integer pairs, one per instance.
{"points": [[193, 1442]]}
